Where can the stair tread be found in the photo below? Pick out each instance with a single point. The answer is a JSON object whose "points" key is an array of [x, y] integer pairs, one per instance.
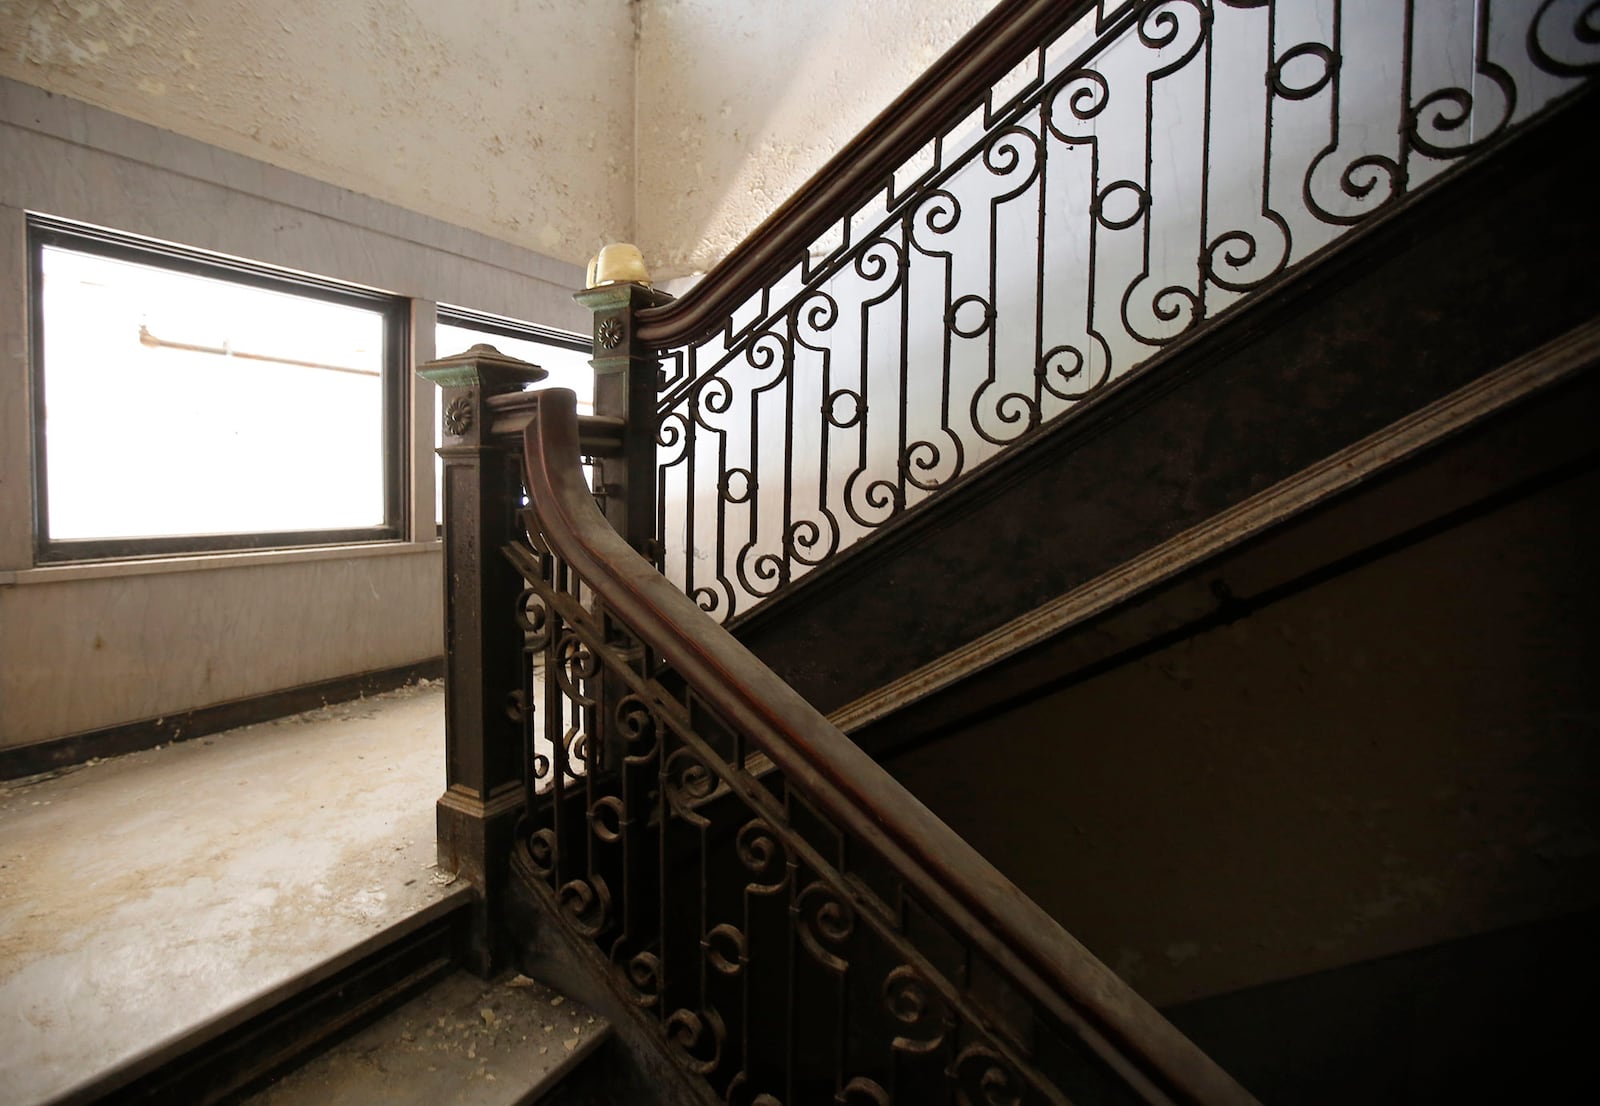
{"points": [[462, 1042]]}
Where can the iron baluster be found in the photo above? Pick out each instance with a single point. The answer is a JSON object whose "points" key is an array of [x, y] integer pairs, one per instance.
{"points": [[1153, 221], [724, 824]]}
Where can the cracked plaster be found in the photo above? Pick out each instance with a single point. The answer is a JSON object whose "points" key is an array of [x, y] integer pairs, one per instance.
{"points": [[555, 126], [507, 118]]}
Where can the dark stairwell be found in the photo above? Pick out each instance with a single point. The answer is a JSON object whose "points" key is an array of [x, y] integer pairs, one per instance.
{"points": [[1248, 636]]}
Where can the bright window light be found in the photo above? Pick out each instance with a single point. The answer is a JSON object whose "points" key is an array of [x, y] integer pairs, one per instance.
{"points": [[568, 367], [565, 357], [182, 405]]}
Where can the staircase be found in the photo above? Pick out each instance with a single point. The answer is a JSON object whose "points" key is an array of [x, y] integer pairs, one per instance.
{"points": [[955, 570], [393, 1022], [1127, 323]]}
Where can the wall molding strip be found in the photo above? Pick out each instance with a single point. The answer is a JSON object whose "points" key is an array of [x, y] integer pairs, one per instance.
{"points": [[1550, 364]]}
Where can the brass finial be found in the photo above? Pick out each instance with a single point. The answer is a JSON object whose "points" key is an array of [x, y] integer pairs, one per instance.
{"points": [[618, 263]]}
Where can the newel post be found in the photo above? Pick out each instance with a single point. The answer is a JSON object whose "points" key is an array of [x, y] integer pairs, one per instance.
{"points": [[625, 373], [483, 644]]}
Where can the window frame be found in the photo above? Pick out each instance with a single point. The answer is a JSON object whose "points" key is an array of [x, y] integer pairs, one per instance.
{"points": [[468, 319], [395, 311], [484, 323]]}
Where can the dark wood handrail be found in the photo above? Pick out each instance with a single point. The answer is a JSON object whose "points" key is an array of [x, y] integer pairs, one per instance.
{"points": [[951, 86], [509, 415], [984, 907]]}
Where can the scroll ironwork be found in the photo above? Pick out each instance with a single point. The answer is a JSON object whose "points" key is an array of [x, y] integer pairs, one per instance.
{"points": [[776, 932], [1146, 169]]}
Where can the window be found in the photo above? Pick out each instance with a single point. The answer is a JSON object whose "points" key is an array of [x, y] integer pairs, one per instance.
{"points": [[187, 402], [564, 356]]}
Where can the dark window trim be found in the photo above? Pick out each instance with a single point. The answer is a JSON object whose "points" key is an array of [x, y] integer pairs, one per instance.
{"points": [[509, 328], [43, 230], [465, 317]]}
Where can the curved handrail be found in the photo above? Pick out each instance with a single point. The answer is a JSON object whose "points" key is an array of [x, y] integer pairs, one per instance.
{"points": [[959, 78], [846, 785]]}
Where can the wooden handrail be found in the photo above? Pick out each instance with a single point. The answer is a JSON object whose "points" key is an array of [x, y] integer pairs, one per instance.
{"points": [[509, 415], [846, 785], [951, 86]]}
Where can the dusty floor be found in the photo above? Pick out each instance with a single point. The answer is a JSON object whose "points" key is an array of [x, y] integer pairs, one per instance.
{"points": [[144, 895], [463, 1042]]}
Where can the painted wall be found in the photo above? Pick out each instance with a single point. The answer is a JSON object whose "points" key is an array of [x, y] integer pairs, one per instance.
{"points": [[1397, 757], [79, 653], [88, 646], [511, 117], [739, 103], [517, 123], [534, 121]]}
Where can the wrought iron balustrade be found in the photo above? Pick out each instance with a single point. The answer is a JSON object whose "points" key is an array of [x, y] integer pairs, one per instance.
{"points": [[792, 925], [1075, 189]]}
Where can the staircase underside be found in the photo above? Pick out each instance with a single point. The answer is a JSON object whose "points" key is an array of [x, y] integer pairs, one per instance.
{"points": [[1537, 442]]}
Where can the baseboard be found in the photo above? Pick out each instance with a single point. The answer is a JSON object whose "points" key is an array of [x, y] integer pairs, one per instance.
{"points": [[131, 737]]}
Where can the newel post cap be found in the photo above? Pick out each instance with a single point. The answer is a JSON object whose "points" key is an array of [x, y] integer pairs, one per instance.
{"points": [[482, 367], [618, 263]]}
